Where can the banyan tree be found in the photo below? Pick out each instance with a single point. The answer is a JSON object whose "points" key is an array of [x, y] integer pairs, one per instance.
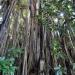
{"points": [[37, 37]]}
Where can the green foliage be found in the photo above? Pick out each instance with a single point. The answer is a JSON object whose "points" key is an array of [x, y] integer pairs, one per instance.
{"points": [[7, 62], [57, 15], [7, 66], [58, 54], [57, 50], [15, 52]]}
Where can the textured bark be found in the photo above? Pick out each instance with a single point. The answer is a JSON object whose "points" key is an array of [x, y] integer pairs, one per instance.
{"points": [[4, 25], [36, 41]]}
